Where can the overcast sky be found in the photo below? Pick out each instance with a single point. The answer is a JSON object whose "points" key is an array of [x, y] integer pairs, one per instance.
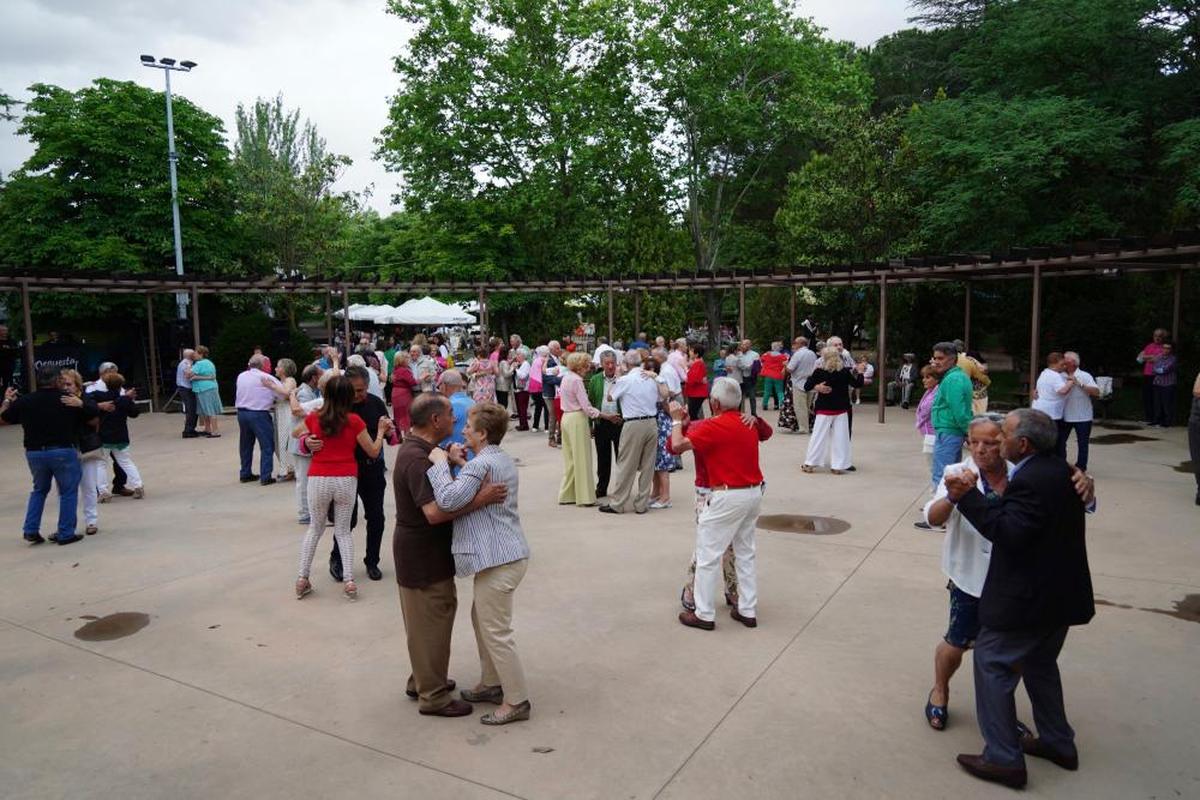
{"points": [[329, 58]]}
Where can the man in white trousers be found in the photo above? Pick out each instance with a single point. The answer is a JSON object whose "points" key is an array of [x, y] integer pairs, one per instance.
{"points": [[730, 452]]}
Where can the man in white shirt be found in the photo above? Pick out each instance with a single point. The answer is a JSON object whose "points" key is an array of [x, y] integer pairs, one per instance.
{"points": [[1052, 389], [746, 359], [1077, 409], [638, 393], [183, 385], [800, 366]]}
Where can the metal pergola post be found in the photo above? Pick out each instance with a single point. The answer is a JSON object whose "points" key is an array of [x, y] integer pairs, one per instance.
{"points": [[881, 357], [1175, 311], [153, 359], [1035, 328], [346, 320], [483, 317], [328, 317], [967, 316], [195, 315], [611, 336], [742, 310], [30, 378]]}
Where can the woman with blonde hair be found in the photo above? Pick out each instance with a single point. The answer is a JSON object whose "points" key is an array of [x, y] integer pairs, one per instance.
{"points": [[208, 400], [579, 479], [285, 420], [831, 431]]}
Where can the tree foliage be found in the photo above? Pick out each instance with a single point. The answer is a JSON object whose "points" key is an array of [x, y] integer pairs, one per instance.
{"points": [[284, 176], [94, 196]]}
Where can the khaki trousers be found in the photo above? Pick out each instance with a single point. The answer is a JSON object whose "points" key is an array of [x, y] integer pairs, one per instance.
{"points": [[800, 405], [579, 479], [428, 624], [491, 615], [639, 446]]}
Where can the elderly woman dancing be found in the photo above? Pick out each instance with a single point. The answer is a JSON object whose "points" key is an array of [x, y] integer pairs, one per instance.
{"points": [[831, 432], [489, 544], [579, 478]]}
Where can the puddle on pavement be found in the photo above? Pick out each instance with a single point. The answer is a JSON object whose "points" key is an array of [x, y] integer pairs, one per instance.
{"points": [[114, 626], [1187, 609], [1120, 438], [799, 523], [1186, 467]]}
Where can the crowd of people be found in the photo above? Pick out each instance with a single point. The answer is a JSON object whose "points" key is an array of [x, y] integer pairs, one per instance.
{"points": [[1011, 512]]}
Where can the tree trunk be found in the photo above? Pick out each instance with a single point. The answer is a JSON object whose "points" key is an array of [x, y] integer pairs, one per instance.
{"points": [[712, 312]]}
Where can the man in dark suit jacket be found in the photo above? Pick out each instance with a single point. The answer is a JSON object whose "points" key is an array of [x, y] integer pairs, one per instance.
{"points": [[1038, 585]]}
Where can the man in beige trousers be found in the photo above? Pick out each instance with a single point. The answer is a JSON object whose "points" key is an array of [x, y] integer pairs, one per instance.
{"points": [[638, 393]]}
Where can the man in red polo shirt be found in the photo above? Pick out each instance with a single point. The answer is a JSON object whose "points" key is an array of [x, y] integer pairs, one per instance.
{"points": [[730, 452]]}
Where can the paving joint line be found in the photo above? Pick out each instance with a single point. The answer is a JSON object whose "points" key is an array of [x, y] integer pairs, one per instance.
{"points": [[266, 712], [779, 655]]}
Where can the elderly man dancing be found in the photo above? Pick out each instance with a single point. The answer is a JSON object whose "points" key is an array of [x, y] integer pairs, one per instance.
{"points": [[730, 451]]}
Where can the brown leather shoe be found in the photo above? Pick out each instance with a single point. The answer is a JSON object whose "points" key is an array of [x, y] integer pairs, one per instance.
{"points": [[1038, 749], [690, 619], [455, 708], [1012, 777], [749, 622]]}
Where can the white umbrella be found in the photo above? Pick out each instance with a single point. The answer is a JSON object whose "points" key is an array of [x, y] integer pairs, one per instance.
{"points": [[426, 311]]}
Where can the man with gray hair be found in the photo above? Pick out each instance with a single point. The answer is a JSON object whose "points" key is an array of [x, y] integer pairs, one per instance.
{"points": [[1077, 409], [951, 411], [800, 366], [606, 429], [255, 401], [637, 393], [1038, 585], [729, 449], [183, 385]]}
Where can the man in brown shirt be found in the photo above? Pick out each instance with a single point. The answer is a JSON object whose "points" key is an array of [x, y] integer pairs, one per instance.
{"points": [[424, 564]]}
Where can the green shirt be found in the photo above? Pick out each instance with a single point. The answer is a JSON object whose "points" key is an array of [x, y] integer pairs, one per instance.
{"points": [[952, 407], [204, 376]]}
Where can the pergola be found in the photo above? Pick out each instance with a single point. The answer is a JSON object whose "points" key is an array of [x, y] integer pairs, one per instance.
{"points": [[1177, 253]]}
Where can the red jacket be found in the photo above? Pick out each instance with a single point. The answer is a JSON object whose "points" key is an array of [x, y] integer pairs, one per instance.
{"points": [[696, 383]]}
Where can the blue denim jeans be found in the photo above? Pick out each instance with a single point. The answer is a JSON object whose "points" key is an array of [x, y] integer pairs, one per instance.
{"points": [[260, 426], [61, 465], [947, 450]]}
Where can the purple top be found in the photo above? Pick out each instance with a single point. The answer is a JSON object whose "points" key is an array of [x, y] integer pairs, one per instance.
{"points": [[1164, 371], [924, 409], [251, 394]]}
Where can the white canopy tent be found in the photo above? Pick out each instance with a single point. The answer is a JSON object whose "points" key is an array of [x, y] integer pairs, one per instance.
{"points": [[424, 311], [366, 313]]}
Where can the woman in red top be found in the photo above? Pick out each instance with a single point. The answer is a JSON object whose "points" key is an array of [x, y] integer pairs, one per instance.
{"points": [[404, 385], [695, 385], [772, 375], [331, 435]]}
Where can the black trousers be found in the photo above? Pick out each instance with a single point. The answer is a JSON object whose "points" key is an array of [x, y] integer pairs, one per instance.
{"points": [[607, 436], [696, 407], [502, 399], [1164, 406], [1148, 398], [372, 486], [539, 408], [1194, 447], [119, 476], [749, 393], [189, 409], [1002, 659]]}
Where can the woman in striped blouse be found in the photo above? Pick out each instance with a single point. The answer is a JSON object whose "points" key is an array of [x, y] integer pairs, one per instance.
{"points": [[489, 544]]}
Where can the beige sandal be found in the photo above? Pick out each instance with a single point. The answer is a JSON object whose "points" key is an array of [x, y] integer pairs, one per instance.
{"points": [[518, 713], [350, 591], [303, 587]]}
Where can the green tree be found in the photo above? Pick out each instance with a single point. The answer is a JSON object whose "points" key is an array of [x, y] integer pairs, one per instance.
{"points": [[519, 135], [914, 66], [737, 85], [284, 175], [990, 173], [94, 195], [852, 203], [1180, 168]]}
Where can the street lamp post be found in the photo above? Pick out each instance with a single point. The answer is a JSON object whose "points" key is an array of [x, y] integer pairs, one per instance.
{"points": [[168, 65]]}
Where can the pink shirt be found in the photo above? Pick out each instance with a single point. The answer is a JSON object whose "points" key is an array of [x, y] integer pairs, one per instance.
{"points": [[251, 394], [1152, 349], [573, 395]]}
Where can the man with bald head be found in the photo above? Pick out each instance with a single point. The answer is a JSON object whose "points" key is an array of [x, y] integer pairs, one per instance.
{"points": [[255, 404], [452, 386]]}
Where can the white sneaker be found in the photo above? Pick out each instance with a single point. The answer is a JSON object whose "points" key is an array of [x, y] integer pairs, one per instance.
{"points": [[660, 504]]}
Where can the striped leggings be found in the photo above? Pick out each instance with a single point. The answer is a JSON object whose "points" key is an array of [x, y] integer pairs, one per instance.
{"points": [[342, 492]]}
